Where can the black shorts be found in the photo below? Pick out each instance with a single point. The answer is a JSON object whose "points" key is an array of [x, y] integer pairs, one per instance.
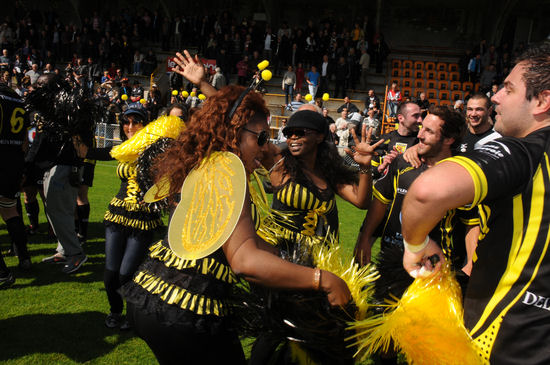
{"points": [[10, 183], [87, 174], [34, 176]]}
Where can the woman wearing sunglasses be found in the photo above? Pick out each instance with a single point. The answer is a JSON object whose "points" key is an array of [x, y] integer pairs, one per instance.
{"points": [[179, 306], [309, 175]]}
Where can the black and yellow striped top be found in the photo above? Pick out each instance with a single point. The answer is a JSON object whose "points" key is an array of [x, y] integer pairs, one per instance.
{"points": [[507, 305], [125, 208], [308, 211]]}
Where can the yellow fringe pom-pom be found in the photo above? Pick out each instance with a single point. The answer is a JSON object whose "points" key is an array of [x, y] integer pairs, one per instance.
{"points": [[426, 324], [165, 126], [329, 256]]}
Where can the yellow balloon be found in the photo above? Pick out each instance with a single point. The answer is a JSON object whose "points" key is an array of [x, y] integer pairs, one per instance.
{"points": [[174, 92], [309, 97], [262, 65], [202, 96], [184, 94], [266, 75], [326, 97], [143, 101], [124, 97], [193, 93]]}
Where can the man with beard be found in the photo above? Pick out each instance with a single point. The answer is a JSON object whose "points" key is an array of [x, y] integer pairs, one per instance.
{"points": [[506, 308], [442, 130]]}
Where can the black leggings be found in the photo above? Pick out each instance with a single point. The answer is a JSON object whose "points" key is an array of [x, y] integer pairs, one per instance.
{"points": [[124, 251], [173, 346]]}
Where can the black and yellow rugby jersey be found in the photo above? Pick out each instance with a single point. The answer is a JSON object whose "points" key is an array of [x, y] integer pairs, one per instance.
{"points": [[13, 123], [394, 140], [391, 190], [507, 304]]}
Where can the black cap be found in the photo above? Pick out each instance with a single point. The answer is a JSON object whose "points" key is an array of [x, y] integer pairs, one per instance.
{"points": [[307, 119], [137, 112]]}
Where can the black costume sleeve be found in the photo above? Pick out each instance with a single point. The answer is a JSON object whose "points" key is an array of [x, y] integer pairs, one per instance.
{"points": [[101, 154]]}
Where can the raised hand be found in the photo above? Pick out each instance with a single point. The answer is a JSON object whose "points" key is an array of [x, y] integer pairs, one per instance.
{"points": [[190, 68], [363, 151]]}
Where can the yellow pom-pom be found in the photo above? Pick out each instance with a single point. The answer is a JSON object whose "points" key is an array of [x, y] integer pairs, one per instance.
{"points": [[184, 94], [193, 93], [143, 101], [124, 97], [326, 97], [202, 96], [266, 75], [174, 92], [262, 65], [309, 97]]}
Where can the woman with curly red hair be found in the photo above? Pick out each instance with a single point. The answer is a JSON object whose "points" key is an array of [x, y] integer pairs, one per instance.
{"points": [[179, 306]]}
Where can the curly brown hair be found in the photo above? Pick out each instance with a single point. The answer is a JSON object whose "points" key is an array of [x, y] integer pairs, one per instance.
{"points": [[207, 131]]}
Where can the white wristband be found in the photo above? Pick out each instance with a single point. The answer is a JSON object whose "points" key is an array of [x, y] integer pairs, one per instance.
{"points": [[416, 248]]}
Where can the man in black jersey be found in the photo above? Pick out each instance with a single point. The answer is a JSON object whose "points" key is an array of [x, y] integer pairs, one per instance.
{"points": [[13, 132], [442, 130], [507, 305], [409, 117], [480, 127]]}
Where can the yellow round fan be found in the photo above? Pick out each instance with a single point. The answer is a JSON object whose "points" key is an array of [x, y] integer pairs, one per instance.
{"points": [[212, 198]]}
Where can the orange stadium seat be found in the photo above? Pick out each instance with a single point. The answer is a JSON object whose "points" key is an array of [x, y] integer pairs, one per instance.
{"points": [[397, 80], [441, 66], [456, 95], [454, 76], [443, 94], [443, 85], [407, 72], [429, 66], [445, 103], [407, 82], [476, 87], [406, 91], [430, 74], [417, 91], [407, 64], [396, 64], [418, 65], [453, 67], [396, 72], [455, 85], [433, 101], [442, 75], [419, 83], [418, 74], [431, 93], [467, 86], [431, 84]]}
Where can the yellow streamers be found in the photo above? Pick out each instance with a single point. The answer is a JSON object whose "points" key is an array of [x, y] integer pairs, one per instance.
{"points": [[426, 324], [165, 126], [328, 256]]}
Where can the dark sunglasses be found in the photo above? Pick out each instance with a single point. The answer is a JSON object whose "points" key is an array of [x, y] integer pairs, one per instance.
{"points": [[298, 132], [135, 122], [263, 136]]}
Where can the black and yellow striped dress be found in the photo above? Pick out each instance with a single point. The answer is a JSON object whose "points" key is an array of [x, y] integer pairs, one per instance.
{"points": [[305, 212], [124, 209], [191, 295]]}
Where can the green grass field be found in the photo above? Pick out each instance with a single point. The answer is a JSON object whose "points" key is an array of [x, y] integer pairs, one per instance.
{"points": [[48, 317]]}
